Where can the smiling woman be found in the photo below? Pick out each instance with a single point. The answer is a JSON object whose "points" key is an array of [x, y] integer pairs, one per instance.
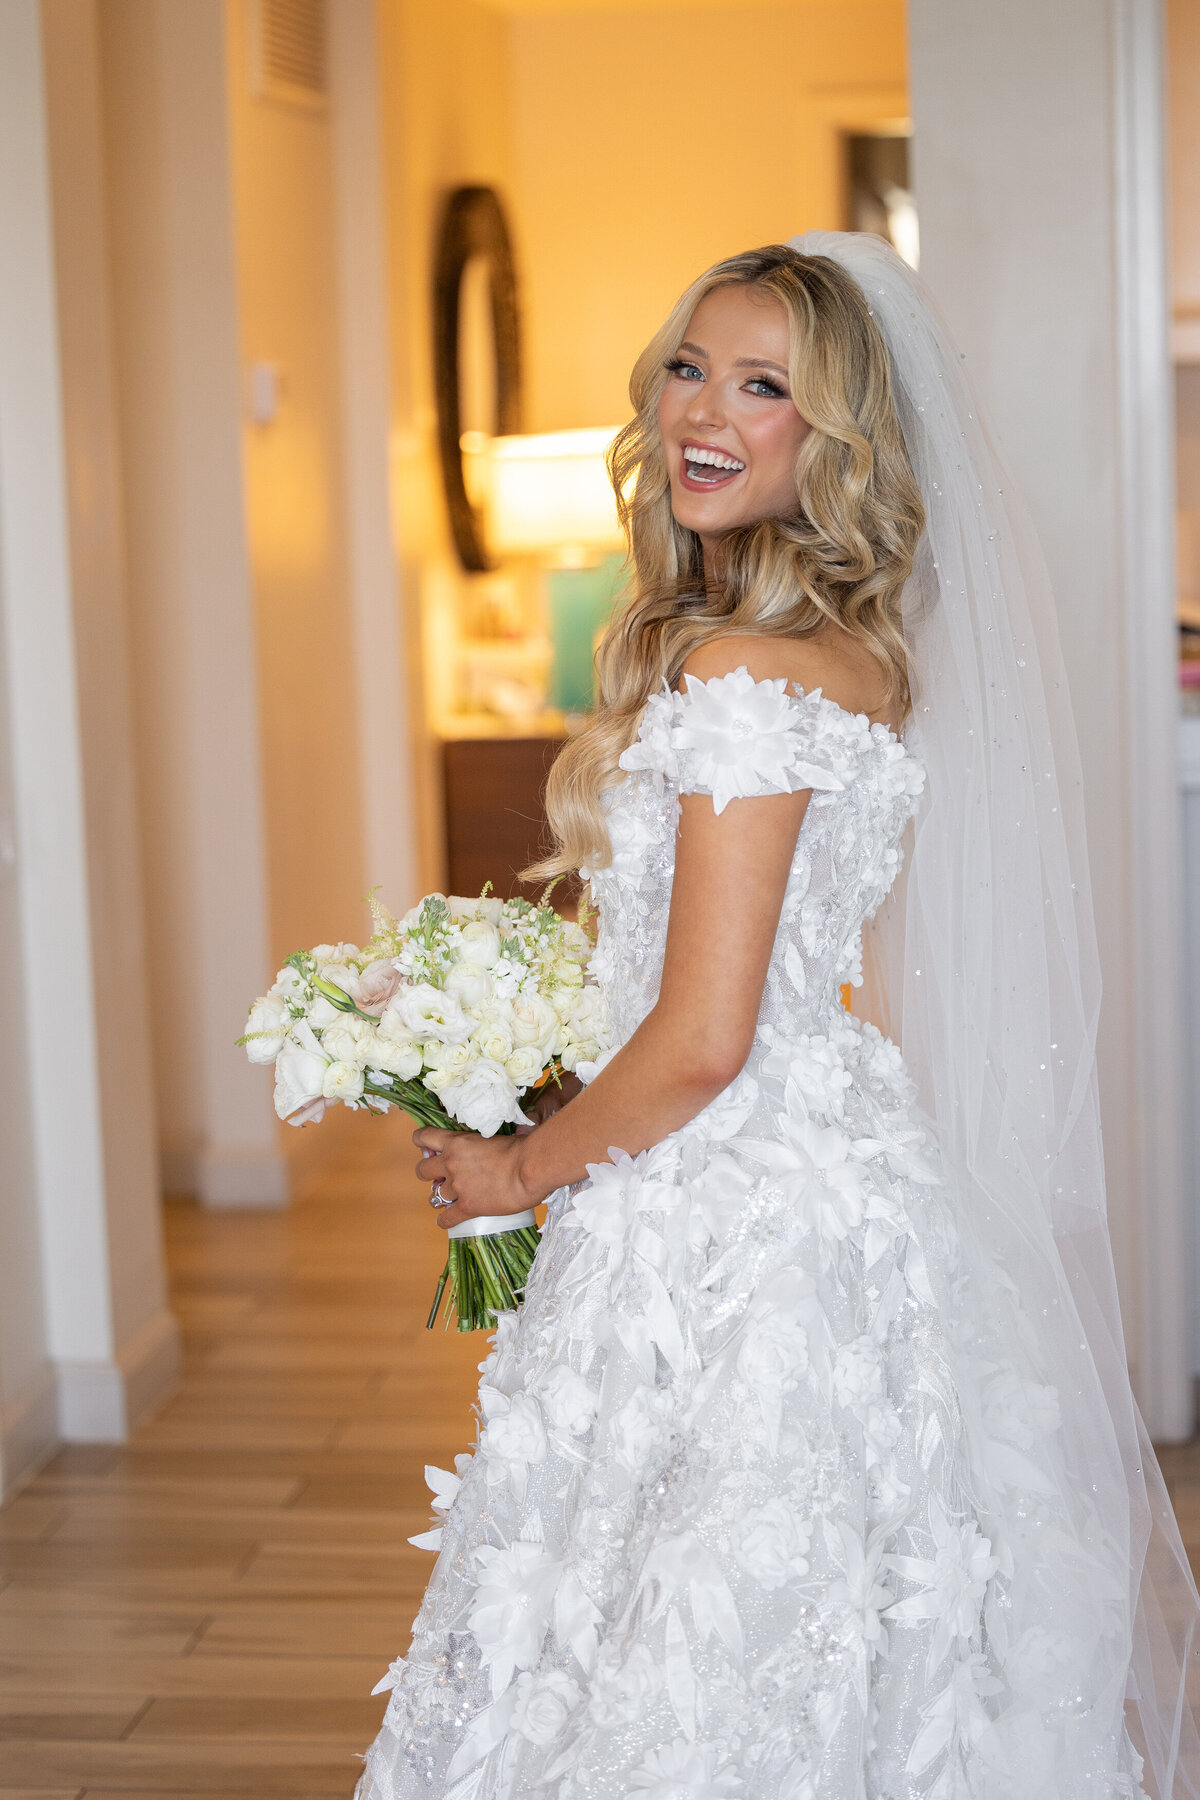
{"points": [[730, 428]]}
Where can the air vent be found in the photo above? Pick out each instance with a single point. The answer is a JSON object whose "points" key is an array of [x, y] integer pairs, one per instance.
{"points": [[288, 40]]}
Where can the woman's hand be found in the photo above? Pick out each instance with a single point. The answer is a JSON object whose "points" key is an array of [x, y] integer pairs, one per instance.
{"points": [[553, 1097], [479, 1175]]}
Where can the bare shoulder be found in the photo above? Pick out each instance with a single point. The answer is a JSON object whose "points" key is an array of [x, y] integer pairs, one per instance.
{"points": [[841, 667]]}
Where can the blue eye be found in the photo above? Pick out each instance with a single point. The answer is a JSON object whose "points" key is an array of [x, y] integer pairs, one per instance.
{"points": [[676, 366], [769, 390]]}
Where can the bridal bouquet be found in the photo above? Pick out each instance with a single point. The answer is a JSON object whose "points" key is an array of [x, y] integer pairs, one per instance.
{"points": [[459, 1014]]}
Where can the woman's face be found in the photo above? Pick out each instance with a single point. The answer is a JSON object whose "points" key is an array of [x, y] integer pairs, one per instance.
{"points": [[729, 428]]}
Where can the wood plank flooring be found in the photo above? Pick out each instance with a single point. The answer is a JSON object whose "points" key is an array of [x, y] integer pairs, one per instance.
{"points": [[205, 1611]]}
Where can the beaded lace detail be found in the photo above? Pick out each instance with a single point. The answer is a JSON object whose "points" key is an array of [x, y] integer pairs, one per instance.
{"points": [[726, 1527]]}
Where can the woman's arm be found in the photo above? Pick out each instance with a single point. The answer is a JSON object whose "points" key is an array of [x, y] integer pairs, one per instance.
{"points": [[730, 877]]}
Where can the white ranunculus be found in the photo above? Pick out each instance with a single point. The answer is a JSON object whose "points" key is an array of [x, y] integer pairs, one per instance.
{"points": [[347, 1039], [300, 1077], [534, 1022], [525, 1065], [772, 1544], [493, 1035], [428, 1012], [479, 944], [544, 1704], [482, 1098], [568, 1401], [470, 985], [393, 1058], [344, 1081], [338, 955], [267, 1028]]}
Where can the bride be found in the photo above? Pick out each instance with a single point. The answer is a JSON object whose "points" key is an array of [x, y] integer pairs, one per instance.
{"points": [[809, 1468]]}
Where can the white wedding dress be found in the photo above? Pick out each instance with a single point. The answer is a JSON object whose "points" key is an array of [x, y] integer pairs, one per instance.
{"points": [[767, 1499]]}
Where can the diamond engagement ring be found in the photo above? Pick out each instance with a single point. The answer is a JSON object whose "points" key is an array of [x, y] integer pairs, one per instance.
{"points": [[436, 1197]]}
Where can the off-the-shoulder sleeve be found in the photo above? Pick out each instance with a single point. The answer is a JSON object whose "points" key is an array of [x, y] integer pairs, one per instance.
{"points": [[737, 738]]}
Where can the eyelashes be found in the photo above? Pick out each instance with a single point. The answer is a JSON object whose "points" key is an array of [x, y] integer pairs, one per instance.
{"points": [[770, 389]]}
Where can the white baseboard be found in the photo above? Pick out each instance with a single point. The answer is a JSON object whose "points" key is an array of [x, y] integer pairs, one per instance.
{"points": [[103, 1402], [28, 1432], [238, 1175]]}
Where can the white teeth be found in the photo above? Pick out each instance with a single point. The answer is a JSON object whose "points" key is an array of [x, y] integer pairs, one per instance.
{"points": [[718, 461]]}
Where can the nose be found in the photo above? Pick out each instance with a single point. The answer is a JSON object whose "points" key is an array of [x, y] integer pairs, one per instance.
{"points": [[705, 411]]}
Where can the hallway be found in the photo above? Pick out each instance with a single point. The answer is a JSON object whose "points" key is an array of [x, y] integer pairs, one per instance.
{"points": [[205, 1611]]}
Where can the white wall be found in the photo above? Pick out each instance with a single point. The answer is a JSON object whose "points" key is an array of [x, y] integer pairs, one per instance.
{"points": [[197, 723], [1039, 178], [87, 1343]]}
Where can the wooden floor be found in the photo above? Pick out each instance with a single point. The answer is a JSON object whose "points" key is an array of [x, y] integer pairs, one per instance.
{"points": [[206, 1611]]}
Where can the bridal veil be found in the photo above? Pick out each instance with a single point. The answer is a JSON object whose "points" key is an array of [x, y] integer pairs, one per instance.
{"points": [[985, 971]]}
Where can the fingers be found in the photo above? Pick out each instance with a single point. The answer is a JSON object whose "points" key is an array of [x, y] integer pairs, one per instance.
{"points": [[430, 1139]]}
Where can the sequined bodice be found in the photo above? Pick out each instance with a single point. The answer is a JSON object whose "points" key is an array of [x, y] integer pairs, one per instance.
{"points": [[734, 737]]}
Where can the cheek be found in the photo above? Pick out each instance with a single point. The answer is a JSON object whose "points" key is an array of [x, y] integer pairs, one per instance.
{"points": [[775, 447]]}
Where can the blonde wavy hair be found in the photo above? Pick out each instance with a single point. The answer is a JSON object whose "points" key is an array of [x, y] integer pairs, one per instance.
{"points": [[841, 557]]}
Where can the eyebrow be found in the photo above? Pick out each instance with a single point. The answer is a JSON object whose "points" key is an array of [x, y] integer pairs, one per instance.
{"points": [[741, 362]]}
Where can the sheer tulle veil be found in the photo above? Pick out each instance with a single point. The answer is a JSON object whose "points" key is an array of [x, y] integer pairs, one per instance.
{"points": [[984, 969]]}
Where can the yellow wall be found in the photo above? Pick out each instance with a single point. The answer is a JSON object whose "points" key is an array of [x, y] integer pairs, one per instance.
{"points": [[287, 303], [651, 141]]}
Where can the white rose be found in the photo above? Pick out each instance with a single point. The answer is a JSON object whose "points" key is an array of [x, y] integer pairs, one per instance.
{"points": [[323, 1013], [562, 999], [430, 1013], [470, 984], [343, 1081], [462, 911], [588, 1017], [544, 1704], [534, 1021], [773, 1543], [335, 954], [572, 1055], [482, 1098], [568, 971], [567, 1401], [447, 1061], [267, 1028], [300, 1077], [479, 944], [525, 1065], [391, 1058], [494, 1037]]}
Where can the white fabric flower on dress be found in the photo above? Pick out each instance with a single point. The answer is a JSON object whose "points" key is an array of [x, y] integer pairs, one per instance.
{"points": [[858, 1373], [510, 1612], [684, 1771], [568, 1401], [741, 735], [637, 1428], [513, 1438], [653, 749], [952, 1582], [1019, 1411], [815, 1065], [444, 1486], [815, 1166], [773, 1544], [544, 1703], [622, 1684]]}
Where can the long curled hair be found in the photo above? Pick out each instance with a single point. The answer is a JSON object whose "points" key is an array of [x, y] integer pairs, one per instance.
{"points": [[841, 556]]}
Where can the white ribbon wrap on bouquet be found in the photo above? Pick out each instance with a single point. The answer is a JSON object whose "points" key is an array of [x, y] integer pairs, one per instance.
{"points": [[491, 1225]]}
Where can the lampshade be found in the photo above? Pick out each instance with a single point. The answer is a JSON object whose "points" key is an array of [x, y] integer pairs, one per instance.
{"points": [[546, 491]]}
